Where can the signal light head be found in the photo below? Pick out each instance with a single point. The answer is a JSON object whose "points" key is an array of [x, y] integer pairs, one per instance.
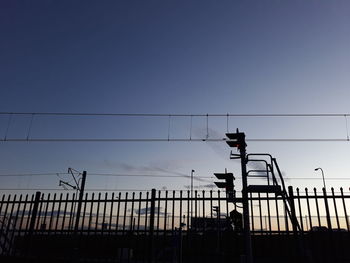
{"points": [[236, 140]]}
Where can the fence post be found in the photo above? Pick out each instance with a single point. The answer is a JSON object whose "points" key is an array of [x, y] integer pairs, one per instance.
{"points": [[327, 209], [34, 212], [33, 216], [292, 210], [151, 226]]}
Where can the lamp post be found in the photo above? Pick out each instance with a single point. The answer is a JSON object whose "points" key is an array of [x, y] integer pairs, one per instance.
{"points": [[324, 182], [325, 200]]}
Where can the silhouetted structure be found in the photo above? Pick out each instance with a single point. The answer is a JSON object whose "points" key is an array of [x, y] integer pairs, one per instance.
{"points": [[118, 227]]}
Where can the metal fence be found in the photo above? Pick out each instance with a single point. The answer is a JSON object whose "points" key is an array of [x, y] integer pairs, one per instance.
{"points": [[164, 213]]}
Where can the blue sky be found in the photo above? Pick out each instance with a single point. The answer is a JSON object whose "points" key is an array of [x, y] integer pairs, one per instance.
{"points": [[173, 57]]}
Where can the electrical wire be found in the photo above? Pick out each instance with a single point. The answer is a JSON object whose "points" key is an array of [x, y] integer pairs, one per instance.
{"points": [[159, 176], [169, 116], [179, 115], [107, 174], [171, 140]]}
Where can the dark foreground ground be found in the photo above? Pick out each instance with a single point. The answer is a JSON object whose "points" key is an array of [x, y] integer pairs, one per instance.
{"points": [[312, 247]]}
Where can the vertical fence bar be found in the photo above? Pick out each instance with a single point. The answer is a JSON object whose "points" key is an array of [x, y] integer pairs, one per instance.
{"points": [[39, 212], [31, 203], [80, 201], [103, 226], [23, 214], [227, 212], [260, 214], [44, 226], [139, 213], [180, 210], [173, 214], [329, 224], [277, 215], [335, 208], [118, 213], [3, 219], [308, 207], [165, 212], [300, 211], [1, 205], [52, 212], [16, 229], [344, 207], [158, 212], [64, 212], [286, 217], [151, 226], [195, 208], [203, 208], [317, 209], [219, 205], [91, 211], [211, 203], [33, 218], [84, 214], [97, 212], [72, 211], [58, 212], [188, 211], [252, 211], [34, 213], [132, 227], [111, 215], [7, 235], [292, 210], [268, 212], [146, 218], [125, 210]]}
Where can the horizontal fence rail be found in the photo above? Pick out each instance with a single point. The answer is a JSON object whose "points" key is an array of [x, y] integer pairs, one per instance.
{"points": [[165, 213]]}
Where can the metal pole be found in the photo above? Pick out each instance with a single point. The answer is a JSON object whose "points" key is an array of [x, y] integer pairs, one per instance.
{"points": [[324, 182], [192, 171], [81, 195], [245, 202]]}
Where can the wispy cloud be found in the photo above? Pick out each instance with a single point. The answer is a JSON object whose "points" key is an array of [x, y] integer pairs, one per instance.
{"points": [[163, 167]]}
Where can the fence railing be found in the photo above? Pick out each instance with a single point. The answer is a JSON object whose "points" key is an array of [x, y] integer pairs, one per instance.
{"points": [[164, 213]]}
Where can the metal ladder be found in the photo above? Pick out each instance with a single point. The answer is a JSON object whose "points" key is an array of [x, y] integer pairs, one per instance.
{"points": [[273, 185]]}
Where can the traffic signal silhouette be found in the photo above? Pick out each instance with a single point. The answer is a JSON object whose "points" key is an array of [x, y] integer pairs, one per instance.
{"points": [[227, 184]]}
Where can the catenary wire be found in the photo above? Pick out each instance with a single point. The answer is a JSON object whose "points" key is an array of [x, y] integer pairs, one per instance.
{"points": [[181, 115], [171, 140]]}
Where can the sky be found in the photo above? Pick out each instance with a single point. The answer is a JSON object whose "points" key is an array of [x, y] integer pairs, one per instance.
{"points": [[172, 57]]}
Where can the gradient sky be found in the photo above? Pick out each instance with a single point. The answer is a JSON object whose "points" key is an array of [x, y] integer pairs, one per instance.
{"points": [[173, 57]]}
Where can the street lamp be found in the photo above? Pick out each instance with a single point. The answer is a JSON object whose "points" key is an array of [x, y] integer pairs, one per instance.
{"points": [[324, 183], [325, 198]]}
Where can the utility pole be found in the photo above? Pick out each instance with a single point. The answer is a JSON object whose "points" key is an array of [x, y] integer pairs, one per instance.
{"points": [[247, 238], [80, 201], [237, 140]]}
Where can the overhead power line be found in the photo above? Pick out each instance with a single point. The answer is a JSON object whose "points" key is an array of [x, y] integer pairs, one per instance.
{"points": [[32, 138], [104, 174], [156, 176], [181, 115], [170, 140]]}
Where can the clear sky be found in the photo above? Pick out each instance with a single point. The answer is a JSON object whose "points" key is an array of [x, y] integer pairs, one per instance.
{"points": [[172, 57]]}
